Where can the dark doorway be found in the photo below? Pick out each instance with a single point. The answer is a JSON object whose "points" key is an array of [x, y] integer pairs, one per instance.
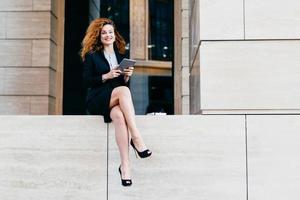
{"points": [[76, 23]]}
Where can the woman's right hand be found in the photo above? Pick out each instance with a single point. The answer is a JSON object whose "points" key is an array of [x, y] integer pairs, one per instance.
{"points": [[112, 74]]}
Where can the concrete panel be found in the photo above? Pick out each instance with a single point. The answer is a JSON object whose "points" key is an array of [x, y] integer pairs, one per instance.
{"points": [[273, 157], [44, 5], [272, 19], [2, 70], [39, 105], [195, 102], [28, 25], [16, 5], [26, 81], [185, 23], [41, 53], [185, 52], [53, 55], [221, 20], [185, 104], [54, 28], [2, 24], [15, 53], [52, 83], [52, 158], [54, 6], [14, 105], [251, 75], [194, 157], [185, 81], [194, 30], [185, 4]]}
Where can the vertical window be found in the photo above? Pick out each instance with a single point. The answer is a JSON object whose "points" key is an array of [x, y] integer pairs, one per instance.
{"points": [[118, 11], [160, 35]]}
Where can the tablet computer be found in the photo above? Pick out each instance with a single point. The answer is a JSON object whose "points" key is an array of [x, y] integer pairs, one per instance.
{"points": [[125, 63]]}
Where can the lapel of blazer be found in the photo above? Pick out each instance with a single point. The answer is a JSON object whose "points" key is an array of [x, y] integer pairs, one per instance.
{"points": [[102, 57]]}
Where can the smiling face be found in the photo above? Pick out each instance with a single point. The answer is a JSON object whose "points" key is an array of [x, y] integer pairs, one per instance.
{"points": [[108, 35]]}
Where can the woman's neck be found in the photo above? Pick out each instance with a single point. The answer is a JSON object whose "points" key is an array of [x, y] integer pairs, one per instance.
{"points": [[109, 49]]}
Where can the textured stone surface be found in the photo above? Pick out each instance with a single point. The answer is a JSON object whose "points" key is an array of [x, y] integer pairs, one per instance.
{"points": [[194, 157], [52, 158], [273, 156], [272, 19], [221, 20], [252, 75]]}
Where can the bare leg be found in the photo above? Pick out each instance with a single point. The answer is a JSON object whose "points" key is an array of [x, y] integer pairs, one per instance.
{"points": [[121, 96], [122, 138]]}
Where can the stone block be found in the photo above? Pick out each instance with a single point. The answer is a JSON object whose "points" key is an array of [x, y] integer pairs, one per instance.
{"points": [[41, 53], [44, 157], [42, 5], [15, 53], [221, 20], [16, 5], [26, 81], [273, 156], [28, 25], [192, 156], [272, 19], [2, 25], [253, 75]]}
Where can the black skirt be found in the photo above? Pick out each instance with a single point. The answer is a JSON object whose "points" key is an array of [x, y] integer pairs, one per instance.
{"points": [[99, 104]]}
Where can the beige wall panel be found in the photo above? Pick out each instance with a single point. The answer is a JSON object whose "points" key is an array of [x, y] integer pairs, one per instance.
{"points": [[185, 52], [195, 86], [52, 106], [185, 104], [52, 157], [185, 23], [28, 25], [185, 81], [198, 157], [221, 19], [15, 52], [273, 157], [2, 70], [15, 5], [250, 75], [39, 105], [2, 25], [195, 31], [26, 81], [185, 4], [55, 5], [41, 53], [14, 105], [272, 19], [53, 55], [54, 27], [138, 42], [42, 5], [52, 83]]}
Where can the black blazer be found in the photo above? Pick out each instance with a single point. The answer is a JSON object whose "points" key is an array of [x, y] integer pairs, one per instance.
{"points": [[94, 65]]}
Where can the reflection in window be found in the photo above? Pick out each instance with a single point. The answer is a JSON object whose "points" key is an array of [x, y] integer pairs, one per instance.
{"points": [[118, 11], [160, 44]]}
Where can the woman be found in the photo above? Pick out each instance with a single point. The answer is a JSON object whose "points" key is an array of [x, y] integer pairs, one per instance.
{"points": [[108, 92]]}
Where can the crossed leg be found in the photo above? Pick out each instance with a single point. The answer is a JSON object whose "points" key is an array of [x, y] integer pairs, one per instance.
{"points": [[122, 138], [122, 96]]}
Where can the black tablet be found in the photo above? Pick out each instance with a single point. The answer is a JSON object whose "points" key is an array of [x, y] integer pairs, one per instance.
{"points": [[125, 63]]}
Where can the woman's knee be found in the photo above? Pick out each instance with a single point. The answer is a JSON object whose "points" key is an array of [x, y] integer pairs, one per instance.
{"points": [[124, 91], [117, 115]]}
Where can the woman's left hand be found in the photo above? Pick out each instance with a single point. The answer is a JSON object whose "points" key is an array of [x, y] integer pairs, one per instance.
{"points": [[129, 71]]}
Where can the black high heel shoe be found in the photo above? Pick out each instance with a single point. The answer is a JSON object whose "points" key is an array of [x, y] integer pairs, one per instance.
{"points": [[125, 182], [142, 154]]}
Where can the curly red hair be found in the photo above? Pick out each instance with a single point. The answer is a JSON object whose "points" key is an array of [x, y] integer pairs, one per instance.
{"points": [[92, 42]]}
